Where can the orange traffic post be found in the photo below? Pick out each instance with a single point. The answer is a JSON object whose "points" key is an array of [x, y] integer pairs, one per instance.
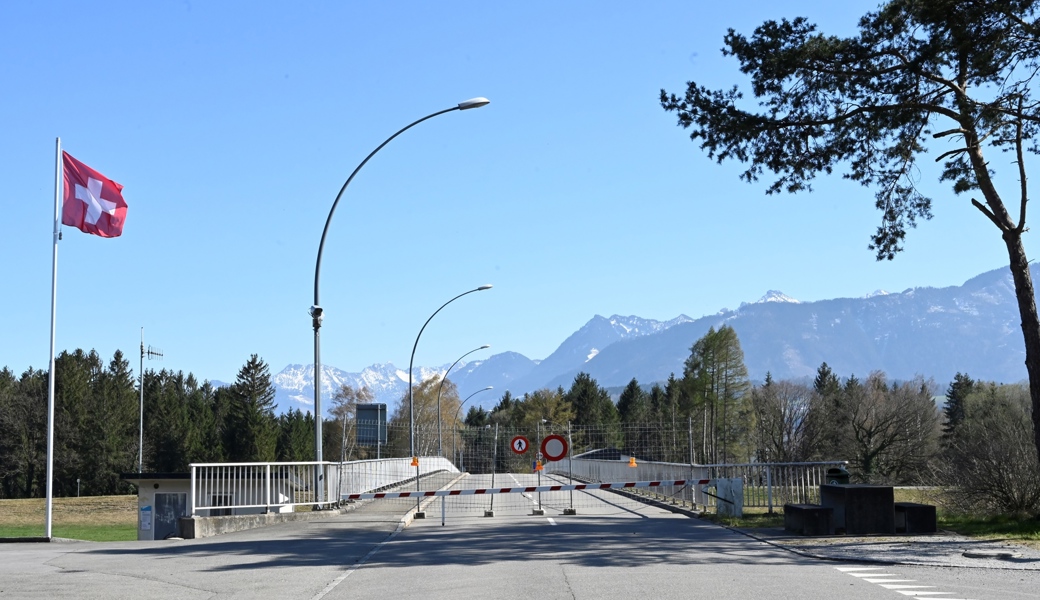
{"points": [[415, 461], [632, 461]]}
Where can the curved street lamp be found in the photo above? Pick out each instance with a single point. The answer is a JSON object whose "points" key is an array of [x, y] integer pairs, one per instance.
{"points": [[411, 361], [456, 422], [440, 438], [316, 311]]}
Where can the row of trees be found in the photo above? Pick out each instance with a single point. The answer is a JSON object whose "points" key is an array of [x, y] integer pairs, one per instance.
{"points": [[97, 417], [890, 432]]}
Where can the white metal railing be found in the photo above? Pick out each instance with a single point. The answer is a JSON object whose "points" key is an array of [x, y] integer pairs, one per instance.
{"points": [[771, 484], [240, 488], [361, 476], [765, 484]]}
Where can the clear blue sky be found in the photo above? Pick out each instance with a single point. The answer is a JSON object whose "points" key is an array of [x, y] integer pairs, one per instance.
{"points": [[232, 125]]}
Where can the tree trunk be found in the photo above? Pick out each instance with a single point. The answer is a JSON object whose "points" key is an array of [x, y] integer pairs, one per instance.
{"points": [[1030, 322]]}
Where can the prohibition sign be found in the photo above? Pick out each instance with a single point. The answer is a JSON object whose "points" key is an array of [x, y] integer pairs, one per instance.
{"points": [[554, 447], [519, 444]]}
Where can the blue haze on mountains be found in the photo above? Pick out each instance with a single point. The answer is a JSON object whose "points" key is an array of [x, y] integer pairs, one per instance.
{"points": [[934, 332]]}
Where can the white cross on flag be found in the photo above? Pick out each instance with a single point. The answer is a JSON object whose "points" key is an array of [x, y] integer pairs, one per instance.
{"points": [[93, 203]]}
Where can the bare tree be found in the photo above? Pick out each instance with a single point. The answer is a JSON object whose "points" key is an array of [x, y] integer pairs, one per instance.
{"points": [[894, 428], [344, 411], [990, 453], [782, 430]]}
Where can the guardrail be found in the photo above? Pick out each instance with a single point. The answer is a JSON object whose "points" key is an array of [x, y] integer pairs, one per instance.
{"points": [[765, 484], [241, 488]]}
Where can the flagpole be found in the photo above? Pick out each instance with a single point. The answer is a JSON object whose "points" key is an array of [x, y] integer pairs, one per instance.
{"points": [[50, 377]]}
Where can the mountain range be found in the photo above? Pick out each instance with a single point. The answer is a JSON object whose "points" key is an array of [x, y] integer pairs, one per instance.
{"points": [[973, 328]]}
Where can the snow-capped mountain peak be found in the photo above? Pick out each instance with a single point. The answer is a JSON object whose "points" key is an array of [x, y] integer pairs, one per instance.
{"points": [[777, 296]]}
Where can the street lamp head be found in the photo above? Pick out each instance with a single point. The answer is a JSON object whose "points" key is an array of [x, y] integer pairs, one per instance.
{"points": [[484, 347], [473, 103], [486, 286]]}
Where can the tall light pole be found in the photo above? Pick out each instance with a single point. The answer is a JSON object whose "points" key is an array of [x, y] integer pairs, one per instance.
{"points": [[440, 438], [411, 361], [456, 421], [316, 311]]}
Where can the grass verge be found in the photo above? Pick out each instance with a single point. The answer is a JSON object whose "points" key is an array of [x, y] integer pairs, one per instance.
{"points": [[94, 518]]}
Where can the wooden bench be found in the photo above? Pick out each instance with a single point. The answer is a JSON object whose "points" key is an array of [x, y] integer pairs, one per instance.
{"points": [[912, 517], [808, 519]]}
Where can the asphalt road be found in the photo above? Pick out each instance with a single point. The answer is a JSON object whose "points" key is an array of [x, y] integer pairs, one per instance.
{"points": [[613, 548]]}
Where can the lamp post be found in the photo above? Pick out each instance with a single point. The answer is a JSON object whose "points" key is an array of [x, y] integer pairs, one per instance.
{"points": [[411, 361], [316, 311], [456, 421], [440, 437]]}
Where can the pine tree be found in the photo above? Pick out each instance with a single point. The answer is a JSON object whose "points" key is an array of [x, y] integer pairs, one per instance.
{"points": [[594, 411], [944, 81], [959, 389], [295, 437], [252, 433]]}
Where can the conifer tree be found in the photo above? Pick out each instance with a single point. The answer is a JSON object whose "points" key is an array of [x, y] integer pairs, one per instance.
{"points": [[252, 432], [959, 389], [717, 380]]}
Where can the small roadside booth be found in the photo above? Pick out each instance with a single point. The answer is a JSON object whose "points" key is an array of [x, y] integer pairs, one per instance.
{"points": [[162, 500]]}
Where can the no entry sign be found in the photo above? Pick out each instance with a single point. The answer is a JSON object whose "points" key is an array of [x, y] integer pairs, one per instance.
{"points": [[519, 444], [554, 447]]}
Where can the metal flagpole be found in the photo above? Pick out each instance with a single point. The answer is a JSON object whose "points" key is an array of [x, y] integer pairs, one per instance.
{"points": [[50, 375]]}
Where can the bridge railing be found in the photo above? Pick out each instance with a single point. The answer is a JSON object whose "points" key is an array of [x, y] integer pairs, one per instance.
{"points": [[766, 485], [242, 488]]}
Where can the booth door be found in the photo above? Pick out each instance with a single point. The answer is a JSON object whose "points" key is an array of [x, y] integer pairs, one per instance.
{"points": [[169, 508]]}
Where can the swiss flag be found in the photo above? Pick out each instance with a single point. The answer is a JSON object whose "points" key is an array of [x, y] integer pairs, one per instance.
{"points": [[93, 203]]}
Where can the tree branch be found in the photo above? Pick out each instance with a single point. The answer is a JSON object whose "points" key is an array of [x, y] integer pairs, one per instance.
{"points": [[986, 211], [956, 130], [950, 153]]}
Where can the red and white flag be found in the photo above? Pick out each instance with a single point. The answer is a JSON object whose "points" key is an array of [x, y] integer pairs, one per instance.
{"points": [[92, 202]]}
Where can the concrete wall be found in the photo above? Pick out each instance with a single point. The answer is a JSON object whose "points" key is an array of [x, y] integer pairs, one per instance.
{"points": [[201, 527]]}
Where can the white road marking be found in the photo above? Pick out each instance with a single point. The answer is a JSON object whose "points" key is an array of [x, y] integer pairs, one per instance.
{"points": [[870, 575], [354, 567], [551, 521]]}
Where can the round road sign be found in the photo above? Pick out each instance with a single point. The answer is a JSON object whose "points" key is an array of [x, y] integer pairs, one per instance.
{"points": [[554, 447], [519, 444]]}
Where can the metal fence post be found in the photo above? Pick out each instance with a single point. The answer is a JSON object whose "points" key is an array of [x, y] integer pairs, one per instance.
{"points": [[769, 488]]}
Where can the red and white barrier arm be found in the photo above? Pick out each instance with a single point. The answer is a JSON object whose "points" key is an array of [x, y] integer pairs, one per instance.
{"points": [[526, 490]]}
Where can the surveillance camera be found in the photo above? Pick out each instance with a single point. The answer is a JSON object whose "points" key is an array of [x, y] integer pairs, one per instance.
{"points": [[316, 311]]}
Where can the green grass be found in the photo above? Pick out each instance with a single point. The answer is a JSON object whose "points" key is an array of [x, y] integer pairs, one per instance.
{"points": [[95, 518], [91, 533], [1000, 526]]}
